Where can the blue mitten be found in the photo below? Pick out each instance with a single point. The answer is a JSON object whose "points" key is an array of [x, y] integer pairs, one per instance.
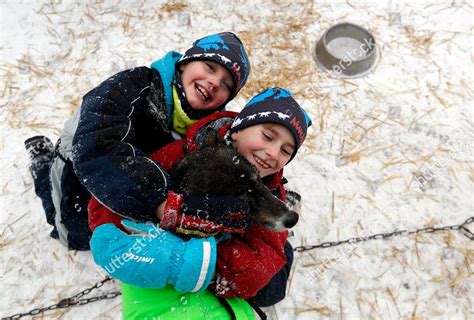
{"points": [[151, 257]]}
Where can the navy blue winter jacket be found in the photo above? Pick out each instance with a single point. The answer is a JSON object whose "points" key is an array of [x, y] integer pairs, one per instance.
{"points": [[121, 121]]}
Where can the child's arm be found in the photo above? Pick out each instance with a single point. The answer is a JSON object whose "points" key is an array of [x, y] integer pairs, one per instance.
{"points": [[246, 263], [275, 290], [110, 241], [107, 157]]}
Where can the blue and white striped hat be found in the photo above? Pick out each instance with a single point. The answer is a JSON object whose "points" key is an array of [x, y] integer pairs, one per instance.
{"points": [[275, 105]]}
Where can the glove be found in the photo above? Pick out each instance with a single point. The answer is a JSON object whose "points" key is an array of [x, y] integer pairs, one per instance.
{"points": [[204, 215], [151, 257]]}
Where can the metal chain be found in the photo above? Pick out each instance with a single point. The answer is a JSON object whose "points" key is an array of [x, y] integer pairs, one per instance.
{"points": [[71, 301], [74, 300], [463, 227]]}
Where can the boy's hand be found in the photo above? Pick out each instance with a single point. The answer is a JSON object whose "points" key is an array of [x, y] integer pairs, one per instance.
{"points": [[203, 215]]}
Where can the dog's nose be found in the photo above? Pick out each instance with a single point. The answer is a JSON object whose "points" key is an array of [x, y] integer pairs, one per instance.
{"points": [[291, 221]]}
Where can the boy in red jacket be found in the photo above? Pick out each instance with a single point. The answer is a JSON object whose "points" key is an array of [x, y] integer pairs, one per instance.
{"points": [[268, 133]]}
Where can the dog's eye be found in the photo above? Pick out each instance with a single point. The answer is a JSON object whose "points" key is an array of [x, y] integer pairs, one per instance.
{"points": [[242, 175]]}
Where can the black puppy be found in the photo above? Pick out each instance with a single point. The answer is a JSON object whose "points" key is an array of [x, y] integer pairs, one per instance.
{"points": [[218, 169]]}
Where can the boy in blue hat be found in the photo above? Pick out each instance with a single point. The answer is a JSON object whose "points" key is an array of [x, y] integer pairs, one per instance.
{"points": [[104, 146]]}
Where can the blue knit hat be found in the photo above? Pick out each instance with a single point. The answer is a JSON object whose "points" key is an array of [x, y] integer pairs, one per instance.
{"points": [[226, 49], [275, 105]]}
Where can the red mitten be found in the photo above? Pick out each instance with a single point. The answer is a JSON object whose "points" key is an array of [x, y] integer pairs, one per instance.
{"points": [[204, 215]]}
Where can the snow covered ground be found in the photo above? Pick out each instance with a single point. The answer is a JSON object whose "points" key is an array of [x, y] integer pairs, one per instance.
{"points": [[389, 151]]}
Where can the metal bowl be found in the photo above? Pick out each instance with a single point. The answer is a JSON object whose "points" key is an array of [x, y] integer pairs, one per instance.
{"points": [[346, 50]]}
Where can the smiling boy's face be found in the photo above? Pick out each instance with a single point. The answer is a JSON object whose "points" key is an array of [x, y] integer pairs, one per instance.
{"points": [[207, 84], [268, 146]]}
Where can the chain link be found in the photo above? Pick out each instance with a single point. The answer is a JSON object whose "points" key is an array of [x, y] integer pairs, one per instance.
{"points": [[71, 301], [463, 227]]}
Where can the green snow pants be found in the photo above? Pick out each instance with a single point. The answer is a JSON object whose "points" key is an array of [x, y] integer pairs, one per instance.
{"points": [[167, 303]]}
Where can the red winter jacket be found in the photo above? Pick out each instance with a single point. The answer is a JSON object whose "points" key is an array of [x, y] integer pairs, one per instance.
{"points": [[246, 262]]}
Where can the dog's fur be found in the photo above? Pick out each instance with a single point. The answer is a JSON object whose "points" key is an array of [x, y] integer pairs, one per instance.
{"points": [[218, 169]]}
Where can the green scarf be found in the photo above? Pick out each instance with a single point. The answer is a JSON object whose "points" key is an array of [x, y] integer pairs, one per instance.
{"points": [[183, 115], [181, 121]]}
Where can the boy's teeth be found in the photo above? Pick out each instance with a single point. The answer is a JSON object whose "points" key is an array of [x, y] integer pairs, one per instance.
{"points": [[260, 162], [203, 92]]}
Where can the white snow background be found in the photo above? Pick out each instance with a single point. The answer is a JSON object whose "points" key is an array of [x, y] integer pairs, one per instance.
{"points": [[372, 141]]}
